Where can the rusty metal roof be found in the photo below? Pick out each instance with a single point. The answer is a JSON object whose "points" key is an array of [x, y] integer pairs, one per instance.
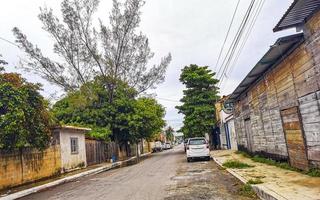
{"points": [[297, 14], [277, 52]]}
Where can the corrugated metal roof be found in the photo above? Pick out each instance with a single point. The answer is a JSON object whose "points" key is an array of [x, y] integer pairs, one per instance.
{"points": [[297, 14], [277, 52]]}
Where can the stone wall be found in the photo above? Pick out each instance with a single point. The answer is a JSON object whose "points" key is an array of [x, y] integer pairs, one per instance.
{"points": [[29, 165]]}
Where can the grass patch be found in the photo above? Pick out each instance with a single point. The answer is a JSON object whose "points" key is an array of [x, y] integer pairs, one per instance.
{"points": [[283, 165], [254, 181], [314, 172], [235, 164], [246, 190], [268, 161]]}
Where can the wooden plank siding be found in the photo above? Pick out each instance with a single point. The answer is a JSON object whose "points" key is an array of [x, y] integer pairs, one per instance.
{"points": [[291, 86]]}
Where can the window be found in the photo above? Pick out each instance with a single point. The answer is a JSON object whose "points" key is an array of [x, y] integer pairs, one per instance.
{"points": [[197, 141], [74, 145]]}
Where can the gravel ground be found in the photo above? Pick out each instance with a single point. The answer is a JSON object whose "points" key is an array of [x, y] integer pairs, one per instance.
{"points": [[165, 175]]}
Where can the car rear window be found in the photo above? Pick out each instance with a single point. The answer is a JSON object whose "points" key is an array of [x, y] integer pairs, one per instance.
{"points": [[197, 141]]}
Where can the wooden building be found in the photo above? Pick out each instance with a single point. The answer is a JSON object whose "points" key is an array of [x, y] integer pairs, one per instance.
{"points": [[277, 105]]}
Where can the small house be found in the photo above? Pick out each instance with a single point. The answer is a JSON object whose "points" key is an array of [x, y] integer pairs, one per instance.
{"points": [[73, 148]]}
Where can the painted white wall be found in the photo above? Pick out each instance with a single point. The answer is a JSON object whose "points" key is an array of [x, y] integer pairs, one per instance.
{"points": [[69, 160], [227, 119], [233, 135]]}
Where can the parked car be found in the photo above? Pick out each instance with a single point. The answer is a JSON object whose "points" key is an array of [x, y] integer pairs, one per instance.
{"points": [[198, 148], [168, 145], [157, 147]]}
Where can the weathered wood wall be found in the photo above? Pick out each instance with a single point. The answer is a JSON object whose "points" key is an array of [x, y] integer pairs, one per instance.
{"points": [[295, 82], [99, 151]]}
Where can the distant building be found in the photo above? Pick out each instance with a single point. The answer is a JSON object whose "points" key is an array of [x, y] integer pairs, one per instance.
{"points": [[277, 105], [225, 128]]}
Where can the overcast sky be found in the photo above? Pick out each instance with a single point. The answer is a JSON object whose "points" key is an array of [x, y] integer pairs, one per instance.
{"points": [[192, 30]]}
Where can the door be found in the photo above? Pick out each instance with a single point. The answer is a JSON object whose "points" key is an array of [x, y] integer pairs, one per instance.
{"points": [[226, 127], [294, 138], [247, 126]]}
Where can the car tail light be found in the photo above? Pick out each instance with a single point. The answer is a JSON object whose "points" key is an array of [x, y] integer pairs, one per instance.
{"points": [[207, 146]]}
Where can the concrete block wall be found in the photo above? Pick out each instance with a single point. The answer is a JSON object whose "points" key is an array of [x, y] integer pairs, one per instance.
{"points": [[18, 168]]}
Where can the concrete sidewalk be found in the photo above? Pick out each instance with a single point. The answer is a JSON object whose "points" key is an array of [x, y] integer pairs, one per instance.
{"points": [[277, 183], [68, 178]]}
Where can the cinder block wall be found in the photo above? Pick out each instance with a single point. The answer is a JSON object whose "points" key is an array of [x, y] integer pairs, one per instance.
{"points": [[31, 165]]}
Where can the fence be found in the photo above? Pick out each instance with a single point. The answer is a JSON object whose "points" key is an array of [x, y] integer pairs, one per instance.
{"points": [[28, 165], [98, 151]]}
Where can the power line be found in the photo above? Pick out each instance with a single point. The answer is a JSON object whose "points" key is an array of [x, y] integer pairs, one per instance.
{"points": [[247, 34], [8, 41], [249, 30], [225, 39], [235, 42]]}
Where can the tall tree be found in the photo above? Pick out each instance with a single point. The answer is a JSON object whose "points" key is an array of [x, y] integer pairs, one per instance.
{"points": [[114, 52], [198, 100], [169, 133]]}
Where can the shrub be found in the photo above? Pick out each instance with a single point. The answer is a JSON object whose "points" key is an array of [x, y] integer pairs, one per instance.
{"points": [[236, 164], [254, 181], [24, 117], [246, 190]]}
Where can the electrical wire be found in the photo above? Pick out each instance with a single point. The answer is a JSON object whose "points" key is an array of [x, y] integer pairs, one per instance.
{"points": [[235, 42], [227, 35], [249, 30]]}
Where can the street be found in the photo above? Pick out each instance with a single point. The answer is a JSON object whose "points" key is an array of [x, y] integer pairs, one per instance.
{"points": [[165, 175]]}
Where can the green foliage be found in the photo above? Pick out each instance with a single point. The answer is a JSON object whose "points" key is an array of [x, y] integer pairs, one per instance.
{"points": [[169, 133], [198, 100], [24, 118], [246, 190], [314, 172], [124, 119], [235, 164], [254, 181], [283, 165], [147, 119]]}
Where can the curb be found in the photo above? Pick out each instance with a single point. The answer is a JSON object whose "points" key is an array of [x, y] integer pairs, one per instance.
{"points": [[262, 191], [29, 191]]}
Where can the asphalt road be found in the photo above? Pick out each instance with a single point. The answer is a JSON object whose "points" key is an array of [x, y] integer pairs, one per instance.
{"points": [[165, 175]]}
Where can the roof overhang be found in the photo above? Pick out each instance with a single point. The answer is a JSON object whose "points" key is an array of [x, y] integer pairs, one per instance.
{"points": [[277, 52], [73, 128], [298, 13]]}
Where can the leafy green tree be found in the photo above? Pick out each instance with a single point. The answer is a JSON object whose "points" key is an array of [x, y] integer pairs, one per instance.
{"points": [[126, 119], [96, 112], [24, 117], [198, 100], [147, 119], [169, 133]]}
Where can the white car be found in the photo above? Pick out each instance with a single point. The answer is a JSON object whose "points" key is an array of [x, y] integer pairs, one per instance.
{"points": [[197, 148]]}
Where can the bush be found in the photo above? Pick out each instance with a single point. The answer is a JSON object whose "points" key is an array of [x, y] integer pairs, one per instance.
{"points": [[246, 190], [24, 117], [314, 172], [236, 164], [254, 181]]}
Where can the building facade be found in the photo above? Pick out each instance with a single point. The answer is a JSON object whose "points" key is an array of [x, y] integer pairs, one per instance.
{"points": [[277, 105], [73, 147], [225, 125]]}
